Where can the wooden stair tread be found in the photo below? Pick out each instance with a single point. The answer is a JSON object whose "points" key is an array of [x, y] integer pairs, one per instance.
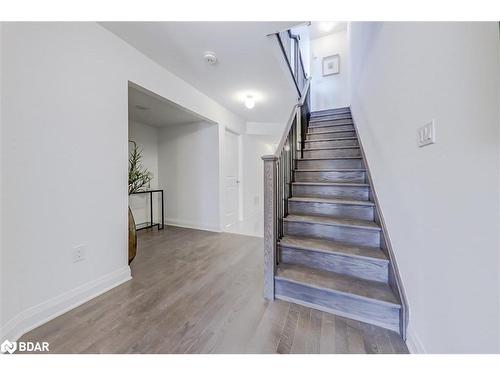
{"points": [[331, 116], [334, 282], [332, 247], [329, 148], [330, 170], [331, 139], [355, 202], [331, 110], [331, 255], [332, 158], [331, 132], [320, 123], [327, 183], [334, 221]]}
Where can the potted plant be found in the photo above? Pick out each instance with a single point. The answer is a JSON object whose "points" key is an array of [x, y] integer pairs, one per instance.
{"points": [[138, 178]]}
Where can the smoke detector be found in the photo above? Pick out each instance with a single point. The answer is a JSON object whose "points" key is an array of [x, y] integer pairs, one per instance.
{"points": [[210, 57]]}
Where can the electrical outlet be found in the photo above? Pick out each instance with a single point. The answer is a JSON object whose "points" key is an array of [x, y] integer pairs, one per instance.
{"points": [[426, 134], [79, 253]]}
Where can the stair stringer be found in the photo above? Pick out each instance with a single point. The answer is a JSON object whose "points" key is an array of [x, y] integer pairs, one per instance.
{"points": [[395, 280]]}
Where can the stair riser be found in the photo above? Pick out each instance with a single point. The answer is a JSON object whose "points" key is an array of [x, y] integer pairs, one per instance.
{"points": [[348, 211], [342, 134], [348, 235], [368, 269], [334, 143], [332, 117], [326, 127], [339, 304], [330, 164], [330, 176], [331, 191], [332, 153], [333, 111]]}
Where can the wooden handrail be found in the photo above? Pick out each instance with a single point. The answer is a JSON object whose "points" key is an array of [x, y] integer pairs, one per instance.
{"points": [[305, 90], [290, 121], [278, 178], [278, 172], [288, 62]]}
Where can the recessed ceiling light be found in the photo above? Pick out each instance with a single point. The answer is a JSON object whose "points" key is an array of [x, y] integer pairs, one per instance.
{"points": [[249, 102], [141, 107], [326, 26], [210, 57]]}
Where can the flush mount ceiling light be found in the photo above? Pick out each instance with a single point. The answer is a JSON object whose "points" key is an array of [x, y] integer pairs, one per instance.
{"points": [[249, 102], [210, 57], [326, 26], [249, 96]]}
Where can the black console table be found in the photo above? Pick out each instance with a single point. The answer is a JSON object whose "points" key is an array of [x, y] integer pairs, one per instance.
{"points": [[151, 223]]}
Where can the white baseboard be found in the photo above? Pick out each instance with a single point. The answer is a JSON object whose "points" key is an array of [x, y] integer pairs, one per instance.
{"points": [[243, 232], [413, 342], [40, 314], [192, 225]]}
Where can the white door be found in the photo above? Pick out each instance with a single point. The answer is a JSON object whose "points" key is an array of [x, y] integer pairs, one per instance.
{"points": [[231, 182]]}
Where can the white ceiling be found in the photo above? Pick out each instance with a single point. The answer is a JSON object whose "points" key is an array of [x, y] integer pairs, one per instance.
{"points": [[247, 61], [318, 29], [150, 109]]}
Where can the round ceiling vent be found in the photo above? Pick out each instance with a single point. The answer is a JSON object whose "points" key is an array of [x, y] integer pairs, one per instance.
{"points": [[210, 57]]}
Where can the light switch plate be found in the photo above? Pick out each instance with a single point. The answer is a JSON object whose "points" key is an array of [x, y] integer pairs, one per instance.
{"points": [[79, 253], [426, 134]]}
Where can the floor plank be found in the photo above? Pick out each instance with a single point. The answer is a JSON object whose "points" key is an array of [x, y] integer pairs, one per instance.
{"points": [[201, 292]]}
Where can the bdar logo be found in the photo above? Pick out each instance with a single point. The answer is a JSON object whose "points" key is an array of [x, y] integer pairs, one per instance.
{"points": [[8, 347]]}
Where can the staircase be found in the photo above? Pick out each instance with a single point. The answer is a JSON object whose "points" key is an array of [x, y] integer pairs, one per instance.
{"points": [[329, 254]]}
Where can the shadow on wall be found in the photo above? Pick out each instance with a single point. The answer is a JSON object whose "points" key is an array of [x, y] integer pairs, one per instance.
{"points": [[330, 90], [188, 170], [181, 149]]}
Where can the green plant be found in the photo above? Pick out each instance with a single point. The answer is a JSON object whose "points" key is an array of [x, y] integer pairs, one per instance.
{"points": [[138, 176]]}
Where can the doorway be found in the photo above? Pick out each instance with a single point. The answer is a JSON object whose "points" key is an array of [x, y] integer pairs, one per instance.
{"points": [[231, 178]]}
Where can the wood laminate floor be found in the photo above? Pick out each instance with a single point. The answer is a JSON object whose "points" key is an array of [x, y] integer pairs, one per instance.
{"points": [[201, 292]]}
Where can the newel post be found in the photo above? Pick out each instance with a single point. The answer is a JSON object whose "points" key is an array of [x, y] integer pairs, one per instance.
{"points": [[270, 229]]}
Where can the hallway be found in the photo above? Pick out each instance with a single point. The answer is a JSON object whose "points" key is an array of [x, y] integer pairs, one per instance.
{"points": [[201, 292]]}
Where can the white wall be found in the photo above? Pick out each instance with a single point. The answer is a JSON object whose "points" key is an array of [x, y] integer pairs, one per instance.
{"points": [[303, 32], [64, 159], [273, 129], [254, 147], [441, 202], [188, 171], [331, 91], [2, 283], [146, 138]]}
